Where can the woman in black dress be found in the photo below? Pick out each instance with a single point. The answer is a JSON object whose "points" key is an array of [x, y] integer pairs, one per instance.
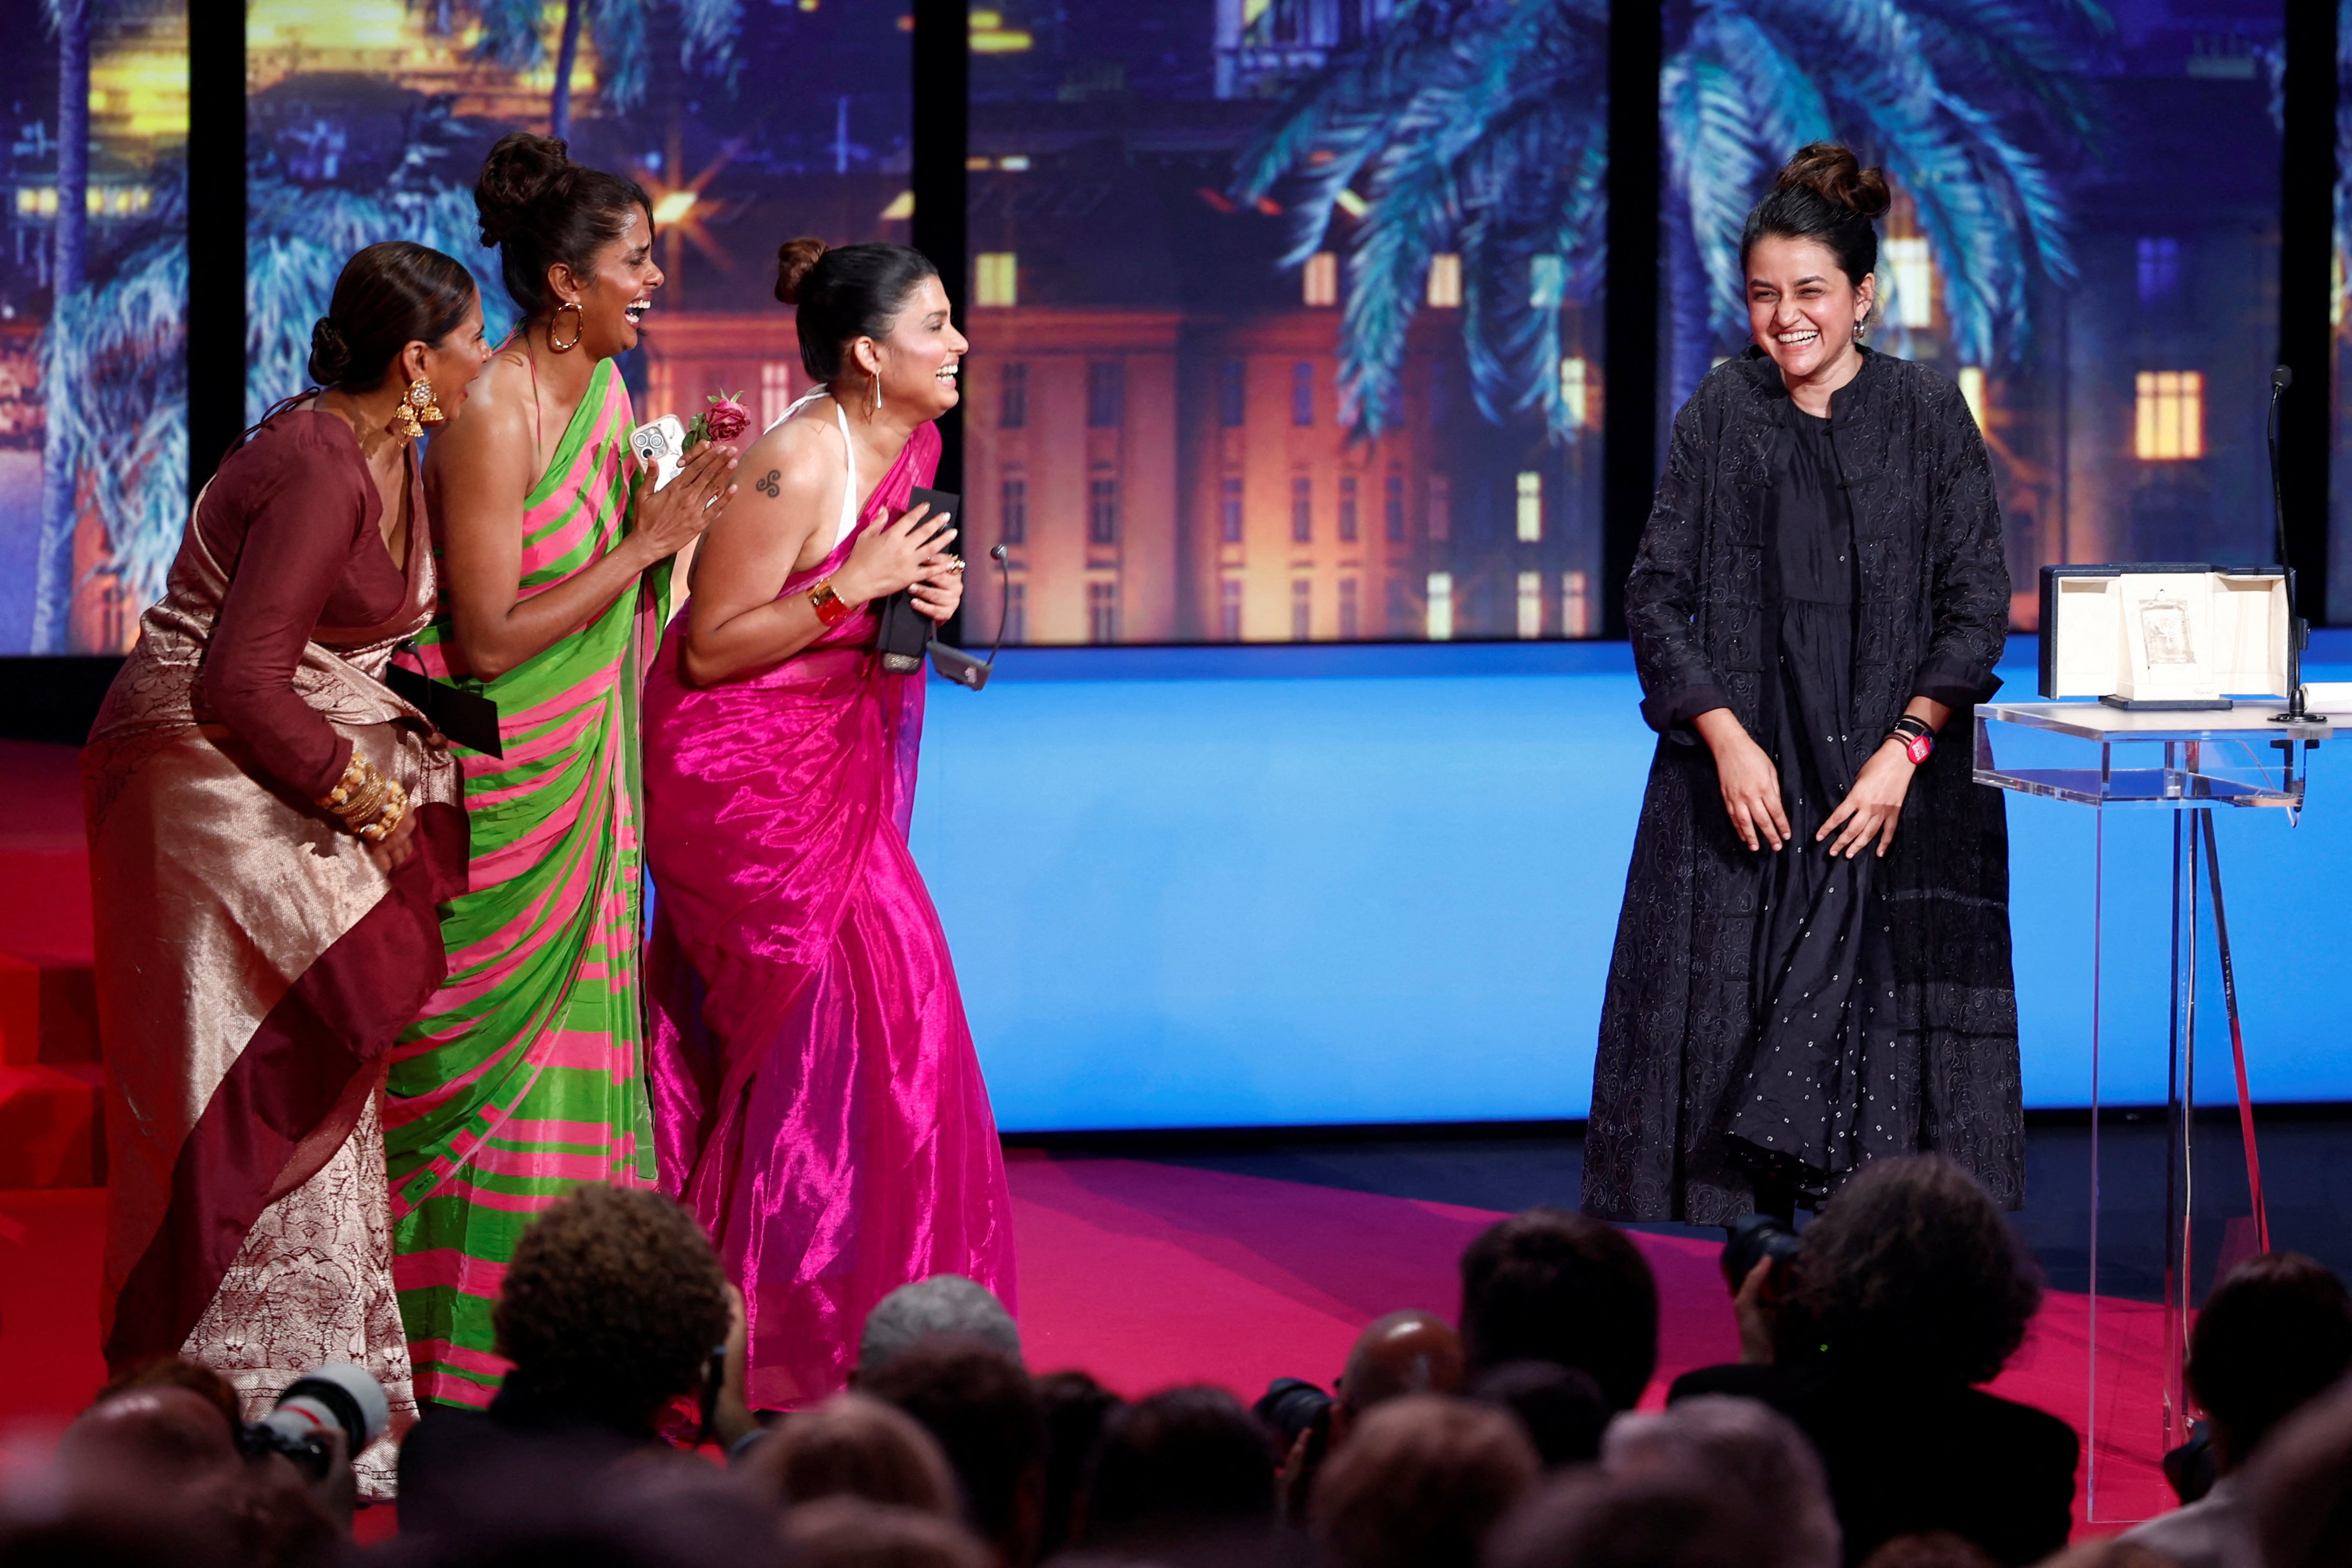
{"points": [[1812, 963]]}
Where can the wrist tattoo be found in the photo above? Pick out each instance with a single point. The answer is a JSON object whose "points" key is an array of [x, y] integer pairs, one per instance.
{"points": [[769, 484]]}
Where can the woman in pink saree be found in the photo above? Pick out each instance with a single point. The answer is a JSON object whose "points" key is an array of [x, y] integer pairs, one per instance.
{"points": [[816, 1100]]}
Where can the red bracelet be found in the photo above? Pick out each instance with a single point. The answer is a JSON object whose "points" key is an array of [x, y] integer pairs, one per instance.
{"points": [[831, 608]]}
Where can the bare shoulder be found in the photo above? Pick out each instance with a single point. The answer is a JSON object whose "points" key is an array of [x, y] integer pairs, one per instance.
{"points": [[494, 432], [800, 457]]}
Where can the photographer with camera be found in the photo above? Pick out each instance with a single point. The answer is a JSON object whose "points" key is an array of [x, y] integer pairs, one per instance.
{"points": [[1399, 1353], [1915, 1290]]}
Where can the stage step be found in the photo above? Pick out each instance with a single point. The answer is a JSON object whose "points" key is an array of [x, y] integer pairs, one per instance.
{"points": [[49, 1010], [51, 1126]]}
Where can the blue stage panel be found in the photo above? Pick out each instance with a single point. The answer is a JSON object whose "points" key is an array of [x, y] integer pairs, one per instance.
{"points": [[1208, 887]]}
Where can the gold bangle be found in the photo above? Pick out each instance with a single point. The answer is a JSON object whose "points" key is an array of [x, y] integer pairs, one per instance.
{"points": [[367, 803]]}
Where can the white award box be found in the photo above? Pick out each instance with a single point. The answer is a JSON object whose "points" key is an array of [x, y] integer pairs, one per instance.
{"points": [[2163, 634]]}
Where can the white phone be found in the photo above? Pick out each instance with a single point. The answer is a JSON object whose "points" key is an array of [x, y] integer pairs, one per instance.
{"points": [[661, 446]]}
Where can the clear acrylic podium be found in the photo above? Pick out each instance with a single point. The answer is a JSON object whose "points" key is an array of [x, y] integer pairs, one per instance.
{"points": [[2187, 764]]}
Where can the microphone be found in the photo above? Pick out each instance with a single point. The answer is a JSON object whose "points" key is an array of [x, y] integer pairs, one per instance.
{"points": [[960, 666], [2298, 633]]}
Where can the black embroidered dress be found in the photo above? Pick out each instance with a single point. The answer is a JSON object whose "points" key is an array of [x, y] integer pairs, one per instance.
{"points": [[1778, 1018]]}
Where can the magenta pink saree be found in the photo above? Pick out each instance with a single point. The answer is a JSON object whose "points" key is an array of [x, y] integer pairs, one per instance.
{"points": [[816, 1101]]}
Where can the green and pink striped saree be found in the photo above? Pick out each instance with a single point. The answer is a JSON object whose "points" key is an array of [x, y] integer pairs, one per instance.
{"points": [[524, 1076]]}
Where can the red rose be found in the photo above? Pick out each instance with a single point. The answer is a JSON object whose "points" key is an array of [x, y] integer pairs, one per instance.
{"points": [[727, 418]]}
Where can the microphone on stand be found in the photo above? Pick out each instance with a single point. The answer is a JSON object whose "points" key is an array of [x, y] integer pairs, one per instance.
{"points": [[960, 666], [2298, 631]]}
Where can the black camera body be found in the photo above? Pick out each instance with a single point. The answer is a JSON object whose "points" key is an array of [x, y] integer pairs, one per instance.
{"points": [[1755, 1238]]}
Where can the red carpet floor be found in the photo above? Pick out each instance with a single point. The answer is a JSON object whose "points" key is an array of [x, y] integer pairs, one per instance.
{"points": [[1148, 1274]]}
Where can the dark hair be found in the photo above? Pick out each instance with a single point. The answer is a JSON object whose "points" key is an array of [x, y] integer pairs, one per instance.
{"points": [[854, 1445], [612, 1302], [1176, 1461], [1560, 1407], [1076, 1407], [977, 1402], [850, 1533], [1910, 1266], [1824, 193], [1653, 1518], [2274, 1334], [1421, 1483], [539, 207], [1549, 1285], [390, 295], [844, 293]]}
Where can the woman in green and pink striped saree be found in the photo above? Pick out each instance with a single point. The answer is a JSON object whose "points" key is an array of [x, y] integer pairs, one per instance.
{"points": [[523, 1076]]}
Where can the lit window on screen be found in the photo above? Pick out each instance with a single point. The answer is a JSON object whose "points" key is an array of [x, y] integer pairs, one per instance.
{"points": [[2168, 422]]}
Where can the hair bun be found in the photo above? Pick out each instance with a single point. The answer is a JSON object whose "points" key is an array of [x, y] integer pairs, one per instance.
{"points": [[522, 171], [1834, 174], [795, 259], [330, 355]]}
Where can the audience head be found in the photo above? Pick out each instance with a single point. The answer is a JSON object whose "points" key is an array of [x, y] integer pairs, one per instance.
{"points": [[979, 1406], [1560, 1407], [2276, 1333], [157, 1434], [1421, 1483], [943, 1304], [1744, 1450], [1076, 1408], [613, 1304], [851, 1533], [2109, 1553], [1911, 1268], [1549, 1284], [536, 1507], [2299, 1485], [1186, 1461], [1403, 1352], [853, 1446], [1936, 1549], [1649, 1519]]}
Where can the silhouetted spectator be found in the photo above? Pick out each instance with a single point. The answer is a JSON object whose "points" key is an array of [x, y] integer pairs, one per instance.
{"points": [[2116, 1552], [611, 1309], [2276, 1333], [1549, 1285], [1398, 1354], [179, 1372], [1936, 1549], [981, 1408], [1076, 1408], [162, 1434], [1177, 1469], [532, 1507], [1560, 1407], [1921, 1289], [2299, 1487], [850, 1533], [854, 1445], [1747, 1451], [1421, 1481], [945, 1305], [1587, 1519]]}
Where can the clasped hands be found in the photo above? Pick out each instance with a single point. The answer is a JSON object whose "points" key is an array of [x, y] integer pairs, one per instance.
{"points": [[910, 552], [1751, 792]]}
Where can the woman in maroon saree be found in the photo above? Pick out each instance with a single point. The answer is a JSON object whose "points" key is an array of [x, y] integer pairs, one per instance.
{"points": [[271, 828], [816, 1098]]}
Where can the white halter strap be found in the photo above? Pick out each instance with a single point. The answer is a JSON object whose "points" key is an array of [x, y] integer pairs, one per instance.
{"points": [[847, 523]]}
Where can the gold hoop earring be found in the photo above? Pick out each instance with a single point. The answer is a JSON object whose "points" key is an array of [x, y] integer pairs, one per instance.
{"points": [[579, 326]]}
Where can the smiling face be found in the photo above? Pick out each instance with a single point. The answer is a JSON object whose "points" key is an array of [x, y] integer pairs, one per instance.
{"points": [[920, 356], [453, 363], [616, 291], [1802, 308]]}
